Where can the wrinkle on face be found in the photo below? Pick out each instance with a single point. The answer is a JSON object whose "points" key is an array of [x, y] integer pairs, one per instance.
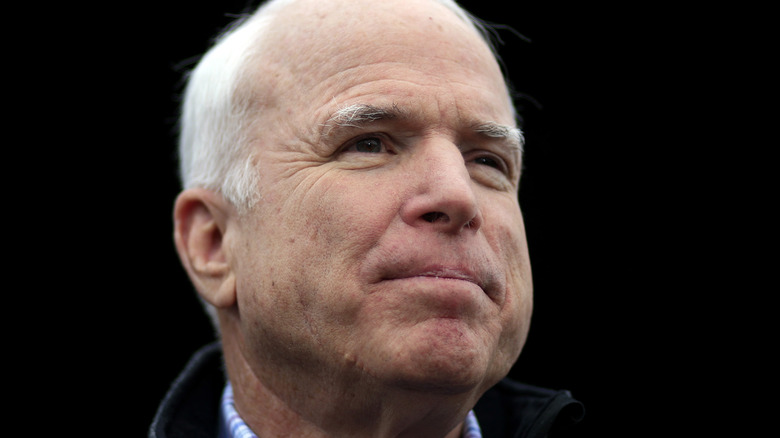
{"points": [[321, 217], [318, 64]]}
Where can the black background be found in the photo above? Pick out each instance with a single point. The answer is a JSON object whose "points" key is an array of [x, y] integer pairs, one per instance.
{"points": [[611, 196]]}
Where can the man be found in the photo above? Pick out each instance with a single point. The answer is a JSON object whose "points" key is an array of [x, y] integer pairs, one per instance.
{"points": [[350, 215]]}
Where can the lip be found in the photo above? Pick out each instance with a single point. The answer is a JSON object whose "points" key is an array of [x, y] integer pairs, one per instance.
{"points": [[427, 262], [444, 273]]}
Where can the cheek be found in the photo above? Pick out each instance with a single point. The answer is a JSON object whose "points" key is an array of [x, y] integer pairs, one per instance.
{"points": [[516, 312], [322, 237], [340, 224], [344, 218]]}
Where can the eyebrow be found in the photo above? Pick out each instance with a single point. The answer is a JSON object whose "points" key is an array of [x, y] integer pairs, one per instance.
{"points": [[357, 116], [360, 115], [510, 134]]}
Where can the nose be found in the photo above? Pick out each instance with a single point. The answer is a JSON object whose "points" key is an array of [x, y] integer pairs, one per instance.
{"points": [[442, 197]]}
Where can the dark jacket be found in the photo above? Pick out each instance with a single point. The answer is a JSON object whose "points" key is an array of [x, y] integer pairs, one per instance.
{"points": [[509, 409]]}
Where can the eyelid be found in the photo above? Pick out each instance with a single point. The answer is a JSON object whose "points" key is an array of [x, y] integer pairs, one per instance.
{"points": [[505, 166], [383, 138]]}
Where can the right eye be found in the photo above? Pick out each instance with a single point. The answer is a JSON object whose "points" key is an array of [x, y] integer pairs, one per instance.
{"points": [[367, 145]]}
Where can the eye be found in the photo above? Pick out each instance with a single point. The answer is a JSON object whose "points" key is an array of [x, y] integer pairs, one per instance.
{"points": [[491, 169], [490, 161], [368, 145]]}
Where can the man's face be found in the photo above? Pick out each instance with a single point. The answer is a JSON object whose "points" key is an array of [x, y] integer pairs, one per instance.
{"points": [[388, 243]]}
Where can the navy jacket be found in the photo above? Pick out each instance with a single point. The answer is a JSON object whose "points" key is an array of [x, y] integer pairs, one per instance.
{"points": [[509, 409]]}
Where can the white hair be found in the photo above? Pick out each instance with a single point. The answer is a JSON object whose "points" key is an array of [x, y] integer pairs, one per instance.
{"points": [[214, 152], [213, 149]]}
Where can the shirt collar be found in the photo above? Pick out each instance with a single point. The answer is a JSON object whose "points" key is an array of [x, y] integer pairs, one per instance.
{"points": [[232, 426]]}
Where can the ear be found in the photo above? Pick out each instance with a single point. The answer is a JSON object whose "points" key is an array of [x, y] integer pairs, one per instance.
{"points": [[202, 221]]}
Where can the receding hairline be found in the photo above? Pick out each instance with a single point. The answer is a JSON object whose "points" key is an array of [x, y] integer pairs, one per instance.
{"points": [[269, 48]]}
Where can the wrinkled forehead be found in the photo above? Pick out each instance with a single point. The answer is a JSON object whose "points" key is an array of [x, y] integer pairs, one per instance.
{"points": [[315, 40]]}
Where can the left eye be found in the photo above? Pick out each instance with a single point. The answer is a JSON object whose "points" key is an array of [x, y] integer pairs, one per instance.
{"points": [[489, 161]]}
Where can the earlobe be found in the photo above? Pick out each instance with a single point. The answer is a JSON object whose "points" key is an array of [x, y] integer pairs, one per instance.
{"points": [[201, 225]]}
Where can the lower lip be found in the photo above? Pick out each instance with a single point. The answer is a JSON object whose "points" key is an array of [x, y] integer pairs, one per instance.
{"points": [[439, 279], [450, 294], [432, 277]]}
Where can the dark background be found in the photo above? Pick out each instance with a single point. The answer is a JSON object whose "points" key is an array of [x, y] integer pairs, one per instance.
{"points": [[611, 195]]}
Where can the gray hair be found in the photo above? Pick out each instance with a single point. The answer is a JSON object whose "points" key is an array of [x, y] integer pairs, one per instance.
{"points": [[213, 150]]}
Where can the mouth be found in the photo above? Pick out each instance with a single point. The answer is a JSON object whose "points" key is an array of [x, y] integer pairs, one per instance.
{"points": [[445, 273], [448, 291], [438, 270]]}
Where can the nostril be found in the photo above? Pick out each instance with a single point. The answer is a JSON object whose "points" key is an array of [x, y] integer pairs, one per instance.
{"points": [[434, 216]]}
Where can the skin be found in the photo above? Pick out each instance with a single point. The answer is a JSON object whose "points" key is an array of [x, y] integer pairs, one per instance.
{"points": [[382, 283]]}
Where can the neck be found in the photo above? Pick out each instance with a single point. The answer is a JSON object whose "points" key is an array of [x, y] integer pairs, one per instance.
{"points": [[306, 405]]}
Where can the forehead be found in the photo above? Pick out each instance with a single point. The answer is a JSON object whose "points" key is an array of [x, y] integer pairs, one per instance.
{"points": [[326, 49], [330, 23]]}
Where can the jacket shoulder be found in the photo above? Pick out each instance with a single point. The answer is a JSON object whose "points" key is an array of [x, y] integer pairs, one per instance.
{"points": [[514, 409], [191, 406]]}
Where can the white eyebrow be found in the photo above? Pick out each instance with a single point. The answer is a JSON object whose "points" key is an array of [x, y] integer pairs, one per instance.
{"points": [[359, 115], [508, 133]]}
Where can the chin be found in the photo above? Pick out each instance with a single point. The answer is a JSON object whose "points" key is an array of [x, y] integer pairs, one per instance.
{"points": [[445, 358]]}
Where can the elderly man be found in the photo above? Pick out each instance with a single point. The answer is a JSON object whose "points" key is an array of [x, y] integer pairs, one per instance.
{"points": [[350, 215]]}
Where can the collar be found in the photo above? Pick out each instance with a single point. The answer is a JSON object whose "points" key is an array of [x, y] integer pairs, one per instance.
{"points": [[232, 426]]}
